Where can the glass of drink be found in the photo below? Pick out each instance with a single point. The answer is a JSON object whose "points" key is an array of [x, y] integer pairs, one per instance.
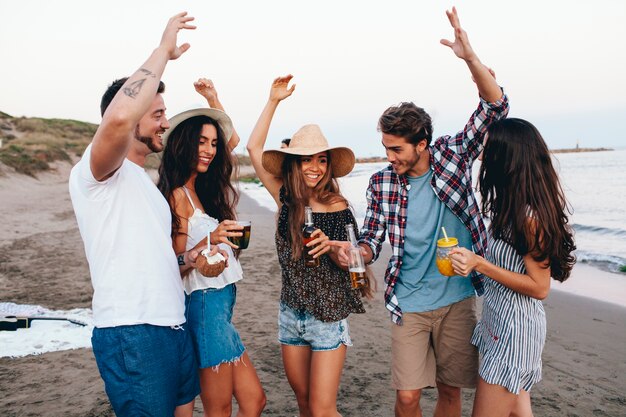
{"points": [[356, 266], [444, 246], [244, 240]]}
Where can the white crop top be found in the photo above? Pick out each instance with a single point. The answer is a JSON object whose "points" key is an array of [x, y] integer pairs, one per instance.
{"points": [[199, 225]]}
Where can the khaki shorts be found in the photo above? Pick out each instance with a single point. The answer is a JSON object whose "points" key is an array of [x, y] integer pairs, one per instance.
{"points": [[434, 346]]}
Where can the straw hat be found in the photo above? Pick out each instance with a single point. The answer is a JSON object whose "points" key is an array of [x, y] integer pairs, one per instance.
{"points": [[219, 116], [309, 140]]}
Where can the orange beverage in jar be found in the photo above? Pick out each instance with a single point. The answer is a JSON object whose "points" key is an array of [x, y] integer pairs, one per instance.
{"points": [[444, 264]]}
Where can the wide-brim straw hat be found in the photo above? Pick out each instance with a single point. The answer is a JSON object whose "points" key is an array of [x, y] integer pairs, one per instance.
{"points": [[308, 141], [219, 116]]}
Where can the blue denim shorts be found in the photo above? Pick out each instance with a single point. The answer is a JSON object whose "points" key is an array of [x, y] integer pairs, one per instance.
{"points": [[209, 315], [299, 328], [147, 370]]}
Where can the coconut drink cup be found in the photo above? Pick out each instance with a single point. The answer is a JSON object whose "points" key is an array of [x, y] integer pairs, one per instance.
{"points": [[210, 266]]}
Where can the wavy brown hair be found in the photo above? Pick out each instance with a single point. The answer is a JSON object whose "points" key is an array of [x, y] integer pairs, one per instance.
{"points": [[523, 197], [408, 121], [297, 196], [180, 158]]}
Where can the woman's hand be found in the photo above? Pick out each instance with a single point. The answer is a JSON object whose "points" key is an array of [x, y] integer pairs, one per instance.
{"points": [[193, 254], [319, 245], [226, 229], [280, 90], [464, 261], [206, 89]]}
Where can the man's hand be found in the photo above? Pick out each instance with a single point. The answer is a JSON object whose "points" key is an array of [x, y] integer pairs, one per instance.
{"points": [[280, 90], [342, 249], [483, 76], [461, 45], [206, 89], [168, 40]]}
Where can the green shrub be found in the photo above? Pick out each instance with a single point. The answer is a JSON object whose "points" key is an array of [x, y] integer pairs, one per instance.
{"points": [[22, 160]]}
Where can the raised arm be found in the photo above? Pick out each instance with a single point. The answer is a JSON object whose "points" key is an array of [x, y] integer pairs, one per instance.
{"points": [[115, 134], [487, 86], [280, 90], [206, 89]]}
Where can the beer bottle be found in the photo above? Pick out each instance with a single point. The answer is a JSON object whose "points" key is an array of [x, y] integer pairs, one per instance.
{"points": [[307, 231], [356, 265]]}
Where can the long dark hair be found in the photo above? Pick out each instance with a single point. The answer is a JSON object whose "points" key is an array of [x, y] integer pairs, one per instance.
{"points": [[180, 158], [522, 195], [298, 194]]}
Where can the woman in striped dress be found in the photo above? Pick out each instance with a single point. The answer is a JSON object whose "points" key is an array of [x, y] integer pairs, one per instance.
{"points": [[530, 242]]}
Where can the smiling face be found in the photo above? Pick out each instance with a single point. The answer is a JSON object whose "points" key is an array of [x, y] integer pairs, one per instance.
{"points": [[313, 168], [207, 147], [152, 125], [403, 156]]}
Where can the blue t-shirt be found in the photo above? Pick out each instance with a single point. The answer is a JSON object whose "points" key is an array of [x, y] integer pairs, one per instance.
{"points": [[420, 286]]}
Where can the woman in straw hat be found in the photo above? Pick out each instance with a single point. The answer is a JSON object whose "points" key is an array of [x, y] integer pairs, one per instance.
{"points": [[194, 176], [315, 302]]}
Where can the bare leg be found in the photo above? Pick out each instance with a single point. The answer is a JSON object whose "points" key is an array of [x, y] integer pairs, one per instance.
{"points": [[448, 401], [185, 410], [326, 368], [217, 390], [522, 405], [247, 388], [408, 403], [493, 400], [297, 363]]}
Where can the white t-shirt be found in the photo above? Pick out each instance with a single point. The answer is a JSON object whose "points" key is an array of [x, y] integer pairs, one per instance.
{"points": [[125, 223], [198, 227]]}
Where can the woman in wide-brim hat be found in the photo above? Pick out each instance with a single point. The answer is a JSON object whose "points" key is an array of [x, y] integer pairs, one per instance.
{"points": [[317, 299], [195, 178]]}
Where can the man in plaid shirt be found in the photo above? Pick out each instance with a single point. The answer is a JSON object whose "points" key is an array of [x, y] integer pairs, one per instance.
{"points": [[426, 187]]}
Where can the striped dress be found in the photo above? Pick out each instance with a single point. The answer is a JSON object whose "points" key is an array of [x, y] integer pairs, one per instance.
{"points": [[512, 330]]}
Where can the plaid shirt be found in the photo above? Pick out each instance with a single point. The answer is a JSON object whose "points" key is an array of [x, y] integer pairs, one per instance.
{"points": [[451, 158]]}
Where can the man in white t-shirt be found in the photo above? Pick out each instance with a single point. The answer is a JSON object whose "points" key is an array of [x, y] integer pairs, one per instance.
{"points": [[145, 357]]}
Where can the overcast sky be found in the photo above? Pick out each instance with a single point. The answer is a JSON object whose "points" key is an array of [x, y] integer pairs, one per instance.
{"points": [[563, 63]]}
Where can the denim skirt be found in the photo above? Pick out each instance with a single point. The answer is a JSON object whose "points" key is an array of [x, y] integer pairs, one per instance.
{"points": [[209, 314]]}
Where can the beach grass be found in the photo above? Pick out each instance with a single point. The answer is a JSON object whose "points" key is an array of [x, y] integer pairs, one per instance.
{"points": [[31, 144]]}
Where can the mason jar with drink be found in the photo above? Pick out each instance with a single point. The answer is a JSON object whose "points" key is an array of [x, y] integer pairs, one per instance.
{"points": [[444, 246]]}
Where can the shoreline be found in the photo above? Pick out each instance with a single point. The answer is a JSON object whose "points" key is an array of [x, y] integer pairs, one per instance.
{"points": [[43, 263]]}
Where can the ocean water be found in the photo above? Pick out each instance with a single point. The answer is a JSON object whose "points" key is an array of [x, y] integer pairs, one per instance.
{"points": [[595, 186]]}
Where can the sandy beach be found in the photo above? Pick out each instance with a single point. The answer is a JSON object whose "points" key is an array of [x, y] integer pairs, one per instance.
{"points": [[42, 262]]}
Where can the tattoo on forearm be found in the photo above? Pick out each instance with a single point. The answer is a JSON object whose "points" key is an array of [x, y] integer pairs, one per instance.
{"points": [[148, 72], [181, 259], [134, 88]]}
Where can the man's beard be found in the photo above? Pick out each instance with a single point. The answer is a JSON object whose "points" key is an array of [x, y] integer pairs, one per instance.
{"points": [[148, 141]]}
